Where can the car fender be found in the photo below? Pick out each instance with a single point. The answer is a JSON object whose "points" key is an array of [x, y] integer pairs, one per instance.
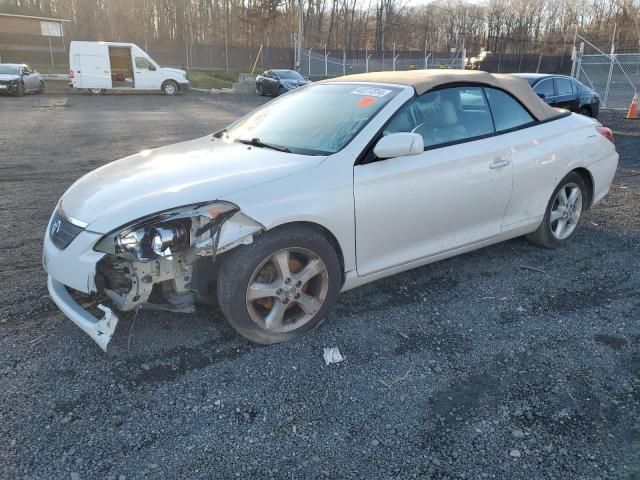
{"points": [[323, 198]]}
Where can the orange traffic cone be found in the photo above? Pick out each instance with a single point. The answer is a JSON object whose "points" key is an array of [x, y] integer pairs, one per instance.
{"points": [[632, 114]]}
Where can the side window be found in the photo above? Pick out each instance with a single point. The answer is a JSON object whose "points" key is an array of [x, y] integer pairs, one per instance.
{"points": [[444, 116], [507, 112], [545, 87], [142, 63], [26, 70], [563, 86]]}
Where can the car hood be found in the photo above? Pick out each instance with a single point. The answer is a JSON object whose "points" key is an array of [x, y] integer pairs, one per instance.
{"points": [[151, 181], [296, 83], [8, 76], [174, 70]]}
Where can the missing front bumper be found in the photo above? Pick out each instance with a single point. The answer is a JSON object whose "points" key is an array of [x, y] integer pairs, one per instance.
{"points": [[100, 330]]}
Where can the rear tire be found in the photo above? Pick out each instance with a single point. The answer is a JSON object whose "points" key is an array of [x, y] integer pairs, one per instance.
{"points": [[170, 88], [584, 111], [563, 213], [96, 91], [281, 286]]}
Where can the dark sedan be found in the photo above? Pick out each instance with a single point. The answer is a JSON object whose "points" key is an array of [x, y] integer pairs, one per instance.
{"points": [[277, 82], [564, 92]]}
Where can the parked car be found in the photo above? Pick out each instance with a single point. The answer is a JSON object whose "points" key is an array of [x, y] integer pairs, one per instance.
{"points": [[101, 66], [277, 82], [322, 190], [19, 78], [564, 92]]}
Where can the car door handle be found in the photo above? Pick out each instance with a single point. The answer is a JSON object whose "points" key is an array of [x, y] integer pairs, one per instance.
{"points": [[500, 162]]}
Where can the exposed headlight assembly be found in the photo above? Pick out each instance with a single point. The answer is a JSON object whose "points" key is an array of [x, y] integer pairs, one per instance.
{"points": [[164, 233]]}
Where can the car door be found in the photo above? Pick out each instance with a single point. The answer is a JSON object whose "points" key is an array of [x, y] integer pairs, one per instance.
{"points": [[269, 83], [147, 76], [567, 94], [94, 72], [452, 195], [546, 90], [30, 79]]}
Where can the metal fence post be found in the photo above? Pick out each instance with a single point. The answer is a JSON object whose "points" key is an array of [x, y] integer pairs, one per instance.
{"points": [[309, 52], [613, 59], [326, 59], [344, 62]]}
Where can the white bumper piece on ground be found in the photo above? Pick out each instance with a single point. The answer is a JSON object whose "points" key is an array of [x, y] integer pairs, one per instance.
{"points": [[100, 330]]}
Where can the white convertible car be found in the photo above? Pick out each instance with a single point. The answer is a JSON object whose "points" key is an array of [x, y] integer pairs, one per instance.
{"points": [[331, 186]]}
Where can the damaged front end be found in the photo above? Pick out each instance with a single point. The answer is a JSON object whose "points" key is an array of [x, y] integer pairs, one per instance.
{"points": [[170, 255], [167, 261]]}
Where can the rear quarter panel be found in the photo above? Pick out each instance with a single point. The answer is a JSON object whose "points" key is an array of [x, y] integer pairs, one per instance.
{"points": [[542, 155]]}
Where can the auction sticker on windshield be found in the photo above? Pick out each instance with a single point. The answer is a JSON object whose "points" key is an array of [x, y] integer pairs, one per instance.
{"points": [[371, 92]]}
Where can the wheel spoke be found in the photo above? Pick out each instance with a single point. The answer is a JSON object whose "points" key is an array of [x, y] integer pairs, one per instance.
{"points": [[562, 197], [281, 262], [310, 270], [575, 216], [275, 317], [572, 196], [560, 227], [556, 215], [261, 290], [309, 304]]}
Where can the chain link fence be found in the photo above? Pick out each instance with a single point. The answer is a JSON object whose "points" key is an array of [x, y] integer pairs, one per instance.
{"points": [[316, 64], [615, 76]]}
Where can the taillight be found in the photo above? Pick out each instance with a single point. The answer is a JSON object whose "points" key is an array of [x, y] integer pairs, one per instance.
{"points": [[71, 74], [607, 133]]}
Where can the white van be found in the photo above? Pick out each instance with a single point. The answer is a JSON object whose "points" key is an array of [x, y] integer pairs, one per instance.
{"points": [[100, 66]]}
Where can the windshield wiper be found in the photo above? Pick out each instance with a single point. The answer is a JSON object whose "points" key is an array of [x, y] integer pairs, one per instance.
{"points": [[255, 142]]}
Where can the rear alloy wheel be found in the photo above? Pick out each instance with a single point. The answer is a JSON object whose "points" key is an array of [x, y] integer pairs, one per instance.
{"points": [[563, 213], [96, 91], [281, 286], [169, 87]]}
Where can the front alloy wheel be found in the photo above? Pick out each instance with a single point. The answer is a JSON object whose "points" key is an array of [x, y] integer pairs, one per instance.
{"points": [[280, 286], [287, 290]]}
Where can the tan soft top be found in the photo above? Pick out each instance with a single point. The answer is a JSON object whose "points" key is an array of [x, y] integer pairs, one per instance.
{"points": [[425, 80]]}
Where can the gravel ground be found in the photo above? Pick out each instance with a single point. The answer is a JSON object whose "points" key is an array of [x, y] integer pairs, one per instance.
{"points": [[510, 362]]}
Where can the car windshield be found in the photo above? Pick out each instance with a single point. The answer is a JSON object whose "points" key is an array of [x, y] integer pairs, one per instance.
{"points": [[289, 75], [315, 120], [9, 70]]}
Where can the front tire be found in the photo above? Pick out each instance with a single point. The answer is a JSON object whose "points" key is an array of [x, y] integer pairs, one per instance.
{"points": [[259, 90], [20, 90], [41, 87], [96, 91], [281, 90], [170, 88], [281, 286], [563, 213]]}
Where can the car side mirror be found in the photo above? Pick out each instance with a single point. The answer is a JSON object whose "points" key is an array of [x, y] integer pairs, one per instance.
{"points": [[399, 145], [542, 96], [152, 67]]}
